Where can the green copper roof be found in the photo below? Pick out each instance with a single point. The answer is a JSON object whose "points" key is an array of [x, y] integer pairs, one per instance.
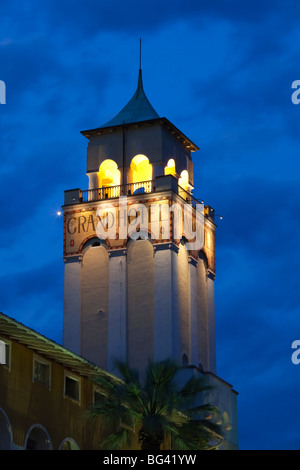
{"points": [[136, 110]]}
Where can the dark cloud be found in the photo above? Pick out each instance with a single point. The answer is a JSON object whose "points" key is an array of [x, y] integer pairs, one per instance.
{"points": [[257, 302], [34, 297], [260, 214], [72, 17]]}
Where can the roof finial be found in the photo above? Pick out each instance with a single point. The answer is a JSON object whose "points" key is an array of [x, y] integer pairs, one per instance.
{"points": [[140, 80]]}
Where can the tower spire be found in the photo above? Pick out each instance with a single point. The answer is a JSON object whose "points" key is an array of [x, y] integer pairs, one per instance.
{"points": [[140, 53], [138, 108], [140, 79]]}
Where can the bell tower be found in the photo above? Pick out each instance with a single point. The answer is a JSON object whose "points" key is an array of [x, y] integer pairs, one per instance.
{"points": [[136, 288], [139, 254]]}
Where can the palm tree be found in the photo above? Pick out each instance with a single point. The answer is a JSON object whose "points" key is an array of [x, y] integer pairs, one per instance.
{"points": [[157, 407]]}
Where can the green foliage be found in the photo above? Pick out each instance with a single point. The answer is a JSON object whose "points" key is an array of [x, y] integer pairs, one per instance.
{"points": [[155, 409]]}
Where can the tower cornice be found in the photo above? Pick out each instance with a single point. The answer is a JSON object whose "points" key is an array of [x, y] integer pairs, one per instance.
{"points": [[91, 133]]}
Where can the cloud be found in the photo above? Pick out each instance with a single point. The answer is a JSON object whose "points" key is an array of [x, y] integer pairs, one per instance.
{"points": [[34, 297], [257, 300], [71, 18]]}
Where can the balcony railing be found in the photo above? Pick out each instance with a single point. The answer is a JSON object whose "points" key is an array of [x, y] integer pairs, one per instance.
{"points": [[111, 192], [161, 183], [188, 197]]}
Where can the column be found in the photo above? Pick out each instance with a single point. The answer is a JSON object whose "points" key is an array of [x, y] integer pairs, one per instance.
{"points": [[194, 349], [203, 330], [93, 180], [117, 308], [166, 307], [72, 304], [211, 322]]}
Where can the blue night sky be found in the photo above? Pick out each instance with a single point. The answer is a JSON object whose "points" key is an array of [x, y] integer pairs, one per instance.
{"points": [[220, 71]]}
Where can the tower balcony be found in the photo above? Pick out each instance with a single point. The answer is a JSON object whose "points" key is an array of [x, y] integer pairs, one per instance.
{"points": [[115, 191], [160, 184]]}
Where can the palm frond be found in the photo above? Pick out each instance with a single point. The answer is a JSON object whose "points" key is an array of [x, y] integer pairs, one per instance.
{"points": [[118, 440], [161, 408], [193, 387], [128, 374]]}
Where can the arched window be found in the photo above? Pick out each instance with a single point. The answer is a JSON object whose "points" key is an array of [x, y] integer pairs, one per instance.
{"points": [[170, 168], [226, 421], [109, 177], [69, 444], [5, 432], [141, 171], [38, 439], [184, 180]]}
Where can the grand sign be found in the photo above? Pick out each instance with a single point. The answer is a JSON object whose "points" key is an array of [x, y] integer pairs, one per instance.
{"points": [[162, 221]]}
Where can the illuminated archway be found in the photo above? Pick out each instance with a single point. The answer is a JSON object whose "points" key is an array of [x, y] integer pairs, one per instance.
{"points": [[170, 168], [141, 169], [184, 180], [109, 179], [109, 174], [141, 173]]}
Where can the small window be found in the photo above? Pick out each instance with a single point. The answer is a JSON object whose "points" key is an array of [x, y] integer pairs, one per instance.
{"points": [[5, 353], [72, 387], [98, 398], [41, 371], [185, 360]]}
